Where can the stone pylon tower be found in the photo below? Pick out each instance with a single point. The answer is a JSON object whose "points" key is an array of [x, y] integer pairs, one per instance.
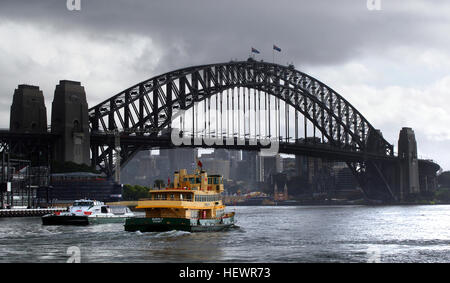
{"points": [[28, 113], [70, 120], [409, 164]]}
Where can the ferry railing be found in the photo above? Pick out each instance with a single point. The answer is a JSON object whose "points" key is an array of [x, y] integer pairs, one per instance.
{"points": [[178, 189], [164, 199]]}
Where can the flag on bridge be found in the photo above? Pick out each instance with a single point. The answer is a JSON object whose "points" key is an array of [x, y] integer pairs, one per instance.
{"points": [[255, 51], [276, 48]]}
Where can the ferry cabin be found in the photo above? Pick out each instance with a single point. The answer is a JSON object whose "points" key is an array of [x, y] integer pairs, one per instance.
{"points": [[191, 196]]}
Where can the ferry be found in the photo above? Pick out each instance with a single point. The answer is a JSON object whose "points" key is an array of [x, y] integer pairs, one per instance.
{"points": [[191, 203], [85, 212]]}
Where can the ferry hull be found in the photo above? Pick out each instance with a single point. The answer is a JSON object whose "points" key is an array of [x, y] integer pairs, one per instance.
{"points": [[65, 220], [168, 224], [79, 220], [106, 220]]}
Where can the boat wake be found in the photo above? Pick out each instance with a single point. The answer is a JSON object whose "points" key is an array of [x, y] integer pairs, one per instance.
{"points": [[172, 233], [236, 228]]}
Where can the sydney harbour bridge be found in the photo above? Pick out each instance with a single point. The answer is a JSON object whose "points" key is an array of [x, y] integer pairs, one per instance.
{"points": [[245, 105]]}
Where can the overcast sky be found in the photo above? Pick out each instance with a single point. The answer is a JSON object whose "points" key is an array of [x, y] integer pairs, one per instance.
{"points": [[392, 64]]}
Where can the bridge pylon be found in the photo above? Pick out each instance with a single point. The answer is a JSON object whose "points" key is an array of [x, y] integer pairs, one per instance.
{"points": [[70, 120], [28, 113], [409, 163]]}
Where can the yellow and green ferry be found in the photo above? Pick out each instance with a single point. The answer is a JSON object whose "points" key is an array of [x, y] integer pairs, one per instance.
{"points": [[191, 203]]}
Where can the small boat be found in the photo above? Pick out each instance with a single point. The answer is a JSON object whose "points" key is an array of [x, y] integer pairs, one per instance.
{"points": [[192, 203], [85, 212]]}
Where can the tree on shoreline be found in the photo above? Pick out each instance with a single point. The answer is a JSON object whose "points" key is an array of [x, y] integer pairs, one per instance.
{"points": [[132, 193]]}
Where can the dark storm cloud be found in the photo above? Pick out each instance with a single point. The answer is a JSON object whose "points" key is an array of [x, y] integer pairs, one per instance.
{"points": [[204, 31]]}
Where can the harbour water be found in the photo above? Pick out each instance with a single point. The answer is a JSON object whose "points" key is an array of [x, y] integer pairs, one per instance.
{"points": [[265, 234]]}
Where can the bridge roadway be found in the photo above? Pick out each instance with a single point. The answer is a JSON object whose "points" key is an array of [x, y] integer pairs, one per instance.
{"points": [[298, 148], [144, 142]]}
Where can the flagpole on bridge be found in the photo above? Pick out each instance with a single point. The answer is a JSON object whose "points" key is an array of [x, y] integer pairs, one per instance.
{"points": [[273, 56], [278, 49]]}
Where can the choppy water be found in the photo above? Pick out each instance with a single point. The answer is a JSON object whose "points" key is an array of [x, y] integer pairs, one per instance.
{"points": [[266, 234]]}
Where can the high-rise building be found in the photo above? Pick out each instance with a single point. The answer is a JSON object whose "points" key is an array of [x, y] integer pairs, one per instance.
{"points": [[217, 166], [182, 158], [249, 157]]}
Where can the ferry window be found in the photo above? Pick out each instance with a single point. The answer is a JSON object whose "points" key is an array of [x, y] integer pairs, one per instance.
{"points": [[192, 180], [172, 196], [209, 180], [82, 203], [198, 181], [216, 181], [194, 213], [189, 197], [164, 196]]}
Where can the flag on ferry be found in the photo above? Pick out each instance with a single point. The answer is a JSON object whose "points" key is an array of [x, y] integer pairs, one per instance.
{"points": [[255, 51], [276, 48], [199, 164]]}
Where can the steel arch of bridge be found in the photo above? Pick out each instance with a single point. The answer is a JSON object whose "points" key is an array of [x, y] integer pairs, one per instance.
{"points": [[148, 107]]}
